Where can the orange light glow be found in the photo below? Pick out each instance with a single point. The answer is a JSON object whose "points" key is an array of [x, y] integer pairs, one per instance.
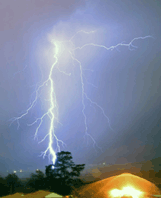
{"points": [[126, 191]]}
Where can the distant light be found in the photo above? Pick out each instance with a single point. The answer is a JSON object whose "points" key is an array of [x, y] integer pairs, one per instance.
{"points": [[20, 170], [14, 171]]}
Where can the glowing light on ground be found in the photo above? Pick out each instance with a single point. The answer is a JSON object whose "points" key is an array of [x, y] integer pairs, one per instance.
{"points": [[126, 191], [52, 110], [125, 185]]}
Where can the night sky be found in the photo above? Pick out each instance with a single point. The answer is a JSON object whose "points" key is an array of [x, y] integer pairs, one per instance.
{"points": [[125, 83]]}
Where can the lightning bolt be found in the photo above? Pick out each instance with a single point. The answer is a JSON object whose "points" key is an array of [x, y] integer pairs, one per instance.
{"points": [[52, 111]]}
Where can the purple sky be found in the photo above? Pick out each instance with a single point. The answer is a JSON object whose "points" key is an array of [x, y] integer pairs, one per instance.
{"points": [[127, 82]]}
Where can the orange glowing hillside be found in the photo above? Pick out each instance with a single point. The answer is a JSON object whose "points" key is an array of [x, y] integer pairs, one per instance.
{"points": [[38, 194], [125, 184]]}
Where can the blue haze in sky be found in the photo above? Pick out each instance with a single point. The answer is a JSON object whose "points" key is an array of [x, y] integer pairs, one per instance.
{"points": [[126, 83]]}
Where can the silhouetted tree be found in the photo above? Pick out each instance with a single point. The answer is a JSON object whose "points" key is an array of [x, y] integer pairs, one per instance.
{"points": [[37, 181], [49, 170], [12, 182], [64, 173], [3, 187]]}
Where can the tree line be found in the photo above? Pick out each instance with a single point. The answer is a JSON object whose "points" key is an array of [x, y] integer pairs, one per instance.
{"points": [[61, 177]]}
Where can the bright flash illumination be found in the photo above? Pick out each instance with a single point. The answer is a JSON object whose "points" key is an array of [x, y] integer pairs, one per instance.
{"points": [[57, 45], [61, 48], [126, 191]]}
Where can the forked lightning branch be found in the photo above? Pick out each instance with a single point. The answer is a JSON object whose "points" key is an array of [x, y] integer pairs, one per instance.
{"points": [[52, 110]]}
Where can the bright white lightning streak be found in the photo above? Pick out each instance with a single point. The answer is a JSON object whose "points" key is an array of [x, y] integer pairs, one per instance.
{"points": [[49, 113], [53, 103], [130, 44]]}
